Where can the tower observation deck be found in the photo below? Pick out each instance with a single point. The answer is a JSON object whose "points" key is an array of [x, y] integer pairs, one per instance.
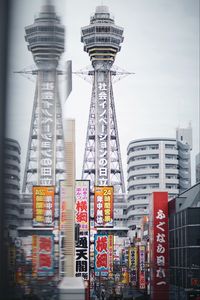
{"points": [[45, 156], [102, 159]]}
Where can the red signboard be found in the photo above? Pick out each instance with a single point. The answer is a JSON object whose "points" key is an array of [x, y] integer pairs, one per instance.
{"points": [[101, 254], [103, 206], [42, 255], [159, 246], [82, 192], [43, 206]]}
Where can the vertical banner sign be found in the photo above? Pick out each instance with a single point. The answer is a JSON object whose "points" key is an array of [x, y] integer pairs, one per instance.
{"points": [[82, 217], [142, 284], [101, 254], [159, 246], [110, 254], [103, 206], [43, 206], [42, 255], [34, 256], [133, 264], [63, 205], [82, 191], [82, 257], [102, 133], [47, 114], [45, 255]]}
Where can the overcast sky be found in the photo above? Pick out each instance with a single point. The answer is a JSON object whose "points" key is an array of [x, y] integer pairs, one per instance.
{"points": [[161, 46]]}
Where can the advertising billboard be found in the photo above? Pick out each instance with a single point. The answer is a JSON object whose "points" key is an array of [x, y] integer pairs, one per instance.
{"points": [[103, 206], [133, 264], [82, 257], [63, 205], [43, 206], [101, 266], [82, 218], [142, 284], [42, 255], [159, 246], [82, 204]]}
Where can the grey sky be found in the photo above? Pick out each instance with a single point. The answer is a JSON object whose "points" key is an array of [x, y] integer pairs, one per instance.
{"points": [[161, 45]]}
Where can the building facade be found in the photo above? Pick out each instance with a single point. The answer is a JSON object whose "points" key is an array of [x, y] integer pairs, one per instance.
{"points": [[184, 244], [197, 167], [158, 164], [12, 152]]}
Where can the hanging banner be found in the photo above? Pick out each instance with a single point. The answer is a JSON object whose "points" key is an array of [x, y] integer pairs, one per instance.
{"points": [[82, 256], [101, 254], [63, 205], [82, 204], [42, 255], [110, 254], [142, 284], [103, 206], [159, 246], [133, 264], [43, 206]]}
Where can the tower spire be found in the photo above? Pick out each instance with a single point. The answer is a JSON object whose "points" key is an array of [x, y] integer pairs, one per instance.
{"points": [[102, 159], [45, 155]]}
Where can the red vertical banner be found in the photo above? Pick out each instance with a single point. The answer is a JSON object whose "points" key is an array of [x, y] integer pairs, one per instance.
{"points": [[103, 206], [159, 246], [34, 255]]}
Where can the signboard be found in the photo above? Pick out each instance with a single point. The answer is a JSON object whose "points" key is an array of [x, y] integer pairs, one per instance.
{"points": [[47, 114], [102, 128], [103, 206], [142, 284], [82, 203], [82, 257], [110, 254], [42, 257], [159, 246], [133, 264], [63, 205], [43, 206], [82, 218], [101, 254]]}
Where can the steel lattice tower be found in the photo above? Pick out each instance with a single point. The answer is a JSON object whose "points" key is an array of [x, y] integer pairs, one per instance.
{"points": [[45, 156], [102, 159]]}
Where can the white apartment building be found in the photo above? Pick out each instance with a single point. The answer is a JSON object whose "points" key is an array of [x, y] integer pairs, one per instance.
{"points": [[157, 164]]}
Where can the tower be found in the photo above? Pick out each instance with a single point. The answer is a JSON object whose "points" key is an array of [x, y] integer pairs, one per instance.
{"points": [[45, 156], [102, 159]]}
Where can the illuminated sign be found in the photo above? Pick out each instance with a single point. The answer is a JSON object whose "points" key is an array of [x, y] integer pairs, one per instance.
{"points": [[159, 245], [103, 206], [47, 113], [43, 206], [101, 254], [102, 137], [82, 193]]}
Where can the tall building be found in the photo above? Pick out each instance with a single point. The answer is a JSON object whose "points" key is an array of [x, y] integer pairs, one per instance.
{"points": [[12, 152], [197, 167], [184, 244], [155, 164], [11, 174], [45, 156], [102, 163]]}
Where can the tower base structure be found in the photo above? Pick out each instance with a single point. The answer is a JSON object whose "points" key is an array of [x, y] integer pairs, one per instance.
{"points": [[71, 288]]}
